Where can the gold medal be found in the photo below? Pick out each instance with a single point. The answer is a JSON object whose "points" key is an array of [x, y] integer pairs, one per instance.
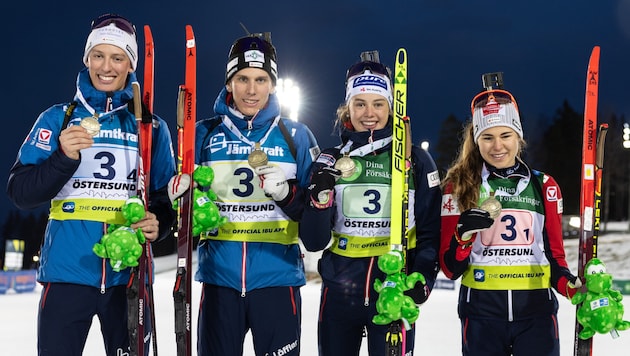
{"points": [[91, 124], [346, 166], [257, 157], [492, 206]]}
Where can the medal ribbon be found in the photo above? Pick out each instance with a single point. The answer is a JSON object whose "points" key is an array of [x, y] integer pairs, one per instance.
{"points": [[365, 149], [230, 125], [486, 190], [92, 111]]}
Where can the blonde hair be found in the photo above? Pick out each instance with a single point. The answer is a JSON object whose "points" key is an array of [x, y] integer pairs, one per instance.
{"points": [[342, 117]]}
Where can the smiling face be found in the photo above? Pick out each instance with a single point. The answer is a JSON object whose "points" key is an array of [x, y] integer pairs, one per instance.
{"points": [[109, 67], [499, 146], [368, 112], [250, 88]]}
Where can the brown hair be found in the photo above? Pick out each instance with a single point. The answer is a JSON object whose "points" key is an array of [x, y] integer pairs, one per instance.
{"points": [[464, 173]]}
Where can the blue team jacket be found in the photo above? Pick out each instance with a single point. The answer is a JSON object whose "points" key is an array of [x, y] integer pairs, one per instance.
{"points": [[229, 258], [41, 171]]}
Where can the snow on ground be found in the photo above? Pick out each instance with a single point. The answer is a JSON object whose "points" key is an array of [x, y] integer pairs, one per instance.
{"points": [[438, 325]]}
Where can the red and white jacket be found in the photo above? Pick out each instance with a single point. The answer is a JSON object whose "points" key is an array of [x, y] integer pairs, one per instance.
{"points": [[509, 269]]}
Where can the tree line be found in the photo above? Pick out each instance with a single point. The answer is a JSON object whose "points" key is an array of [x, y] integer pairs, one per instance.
{"points": [[554, 146]]}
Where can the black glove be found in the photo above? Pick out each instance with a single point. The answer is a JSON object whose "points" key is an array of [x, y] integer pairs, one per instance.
{"points": [[419, 293], [471, 221], [322, 186]]}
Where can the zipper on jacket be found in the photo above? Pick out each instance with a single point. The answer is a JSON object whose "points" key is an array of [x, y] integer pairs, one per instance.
{"points": [[243, 269], [109, 105], [371, 141], [250, 121], [510, 311], [103, 267], [368, 277]]}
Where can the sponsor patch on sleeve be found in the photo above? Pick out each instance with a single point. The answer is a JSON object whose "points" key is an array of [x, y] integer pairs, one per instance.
{"points": [[449, 205], [326, 159], [434, 179], [314, 151], [43, 136], [552, 194]]}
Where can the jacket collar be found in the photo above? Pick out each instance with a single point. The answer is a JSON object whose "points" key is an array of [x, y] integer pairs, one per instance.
{"points": [[98, 99], [364, 137], [518, 170], [223, 106]]}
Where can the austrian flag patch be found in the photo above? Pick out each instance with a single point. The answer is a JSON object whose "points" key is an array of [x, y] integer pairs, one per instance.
{"points": [[552, 194]]}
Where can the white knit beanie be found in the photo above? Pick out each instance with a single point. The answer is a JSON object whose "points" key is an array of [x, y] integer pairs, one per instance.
{"points": [[495, 114], [112, 35]]}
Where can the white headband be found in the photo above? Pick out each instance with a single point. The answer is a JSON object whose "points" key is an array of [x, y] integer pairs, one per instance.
{"points": [[369, 82]]}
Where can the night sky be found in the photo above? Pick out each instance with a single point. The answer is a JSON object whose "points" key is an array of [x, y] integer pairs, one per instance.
{"points": [[541, 46]]}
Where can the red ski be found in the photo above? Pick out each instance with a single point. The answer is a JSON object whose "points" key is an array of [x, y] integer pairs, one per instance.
{"points": [[589, 224], [146, 129], [146, 145], [139, 293], [186, 119]]}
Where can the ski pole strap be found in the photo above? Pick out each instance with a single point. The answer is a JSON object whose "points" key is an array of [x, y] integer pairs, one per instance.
{"points": [[67, 115], [288, 138]]}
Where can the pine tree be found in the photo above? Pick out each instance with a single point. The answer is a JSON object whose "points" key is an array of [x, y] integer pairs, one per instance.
{"points": [[449, 140], [559, 154]]}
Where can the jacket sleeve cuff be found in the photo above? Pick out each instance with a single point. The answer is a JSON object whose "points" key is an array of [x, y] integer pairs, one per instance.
{"points": [[565, 289], [284, 202], [462, 254], [463, 248]]}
